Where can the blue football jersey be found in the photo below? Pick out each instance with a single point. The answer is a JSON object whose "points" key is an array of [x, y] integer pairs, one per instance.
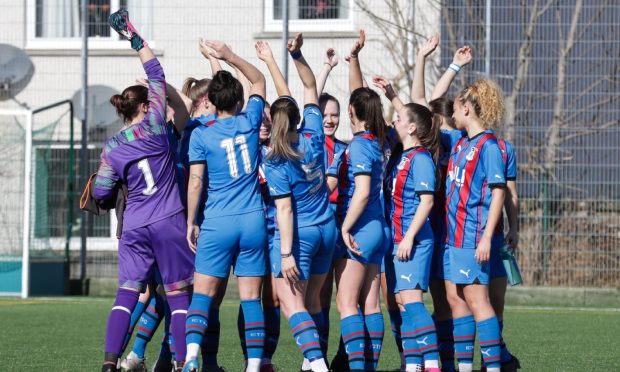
{"points": [[230, 149], [475, 166], [363, 156], [510, 161], [303, 180], [414, 175]]}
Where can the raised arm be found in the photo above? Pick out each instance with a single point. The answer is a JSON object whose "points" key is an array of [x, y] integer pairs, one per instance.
{"points": [[356, 79], [179, 102], [384, 85], [264, 53], [331, 61], [213, 62], [305, 72], [221, 51], [461, 58], [418, 87]]}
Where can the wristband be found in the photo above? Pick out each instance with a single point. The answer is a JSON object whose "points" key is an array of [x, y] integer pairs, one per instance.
{"points": [[454, 67], [296, 55], [287, 255]]}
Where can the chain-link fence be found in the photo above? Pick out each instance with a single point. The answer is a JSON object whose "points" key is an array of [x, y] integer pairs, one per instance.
{"points": [[556, 60]]}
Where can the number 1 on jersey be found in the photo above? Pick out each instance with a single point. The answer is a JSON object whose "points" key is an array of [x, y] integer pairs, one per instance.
{"points": [[231, 156], [143, 165]]}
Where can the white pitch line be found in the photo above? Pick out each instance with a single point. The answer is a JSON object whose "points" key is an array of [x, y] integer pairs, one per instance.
{"points": [[561, 308]]}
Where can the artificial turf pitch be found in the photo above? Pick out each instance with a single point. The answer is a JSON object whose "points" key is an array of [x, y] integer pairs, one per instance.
{"points": [[66, 334]]}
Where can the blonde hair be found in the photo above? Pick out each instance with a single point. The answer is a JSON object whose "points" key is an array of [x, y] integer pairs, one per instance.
{"points": [[284, 119], [487, 99], [196, 90]]}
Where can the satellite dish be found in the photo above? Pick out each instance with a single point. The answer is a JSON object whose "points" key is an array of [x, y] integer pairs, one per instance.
{"points": [[100, 112], [16, 70]]}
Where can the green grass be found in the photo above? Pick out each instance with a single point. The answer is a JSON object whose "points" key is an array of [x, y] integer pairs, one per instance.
{"points": [[66, 334]]}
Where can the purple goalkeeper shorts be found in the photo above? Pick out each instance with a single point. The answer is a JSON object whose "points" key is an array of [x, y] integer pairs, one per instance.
{"points": [[162, 242]]}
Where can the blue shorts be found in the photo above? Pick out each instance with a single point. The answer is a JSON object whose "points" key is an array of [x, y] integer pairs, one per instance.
{"points": [[464, 269], [373, 238], [238, 240], [440, 267], [412, 274], [313, 247], [497, 266]]}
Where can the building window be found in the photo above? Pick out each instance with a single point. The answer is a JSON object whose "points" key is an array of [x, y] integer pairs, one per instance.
{"points": [[55, 24], [310, 15]]}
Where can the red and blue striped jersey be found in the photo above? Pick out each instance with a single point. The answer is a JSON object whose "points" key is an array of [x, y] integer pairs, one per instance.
{"points": [[414, 175], [510, 160], [333, 147], [230, 149], [363, 156], [474, 168]]}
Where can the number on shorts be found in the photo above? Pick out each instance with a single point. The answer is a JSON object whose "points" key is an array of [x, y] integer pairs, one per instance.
{"points": [[143, 165], [231, 156]]}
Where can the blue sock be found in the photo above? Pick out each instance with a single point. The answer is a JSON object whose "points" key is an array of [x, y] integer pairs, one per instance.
{"points": [[306, 336], [373, 331], [426, 336], [197, 320], [464, 335], [506, 356], [272, 331], [135, 316], [241, 330], [410, 346], [149, 321], [396, 322], [319, 322], [254, 328], [445, 337], [488, 336], [325, 335], [352, 329], [166, 351], [211, 342]]}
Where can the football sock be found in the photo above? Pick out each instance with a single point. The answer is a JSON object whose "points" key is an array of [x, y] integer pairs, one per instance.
{"points": [[413, 357], [211, 341], [426, 337], [272, 330], [374, 329], [489, 338], [445, 338], [149, 321], [179, 304], [352, 329], [254, 330], [464, 335], [118, 320], [196, 324]]}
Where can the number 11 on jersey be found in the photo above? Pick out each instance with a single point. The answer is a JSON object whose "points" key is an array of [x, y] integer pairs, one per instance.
{"points": [[231, 156]]}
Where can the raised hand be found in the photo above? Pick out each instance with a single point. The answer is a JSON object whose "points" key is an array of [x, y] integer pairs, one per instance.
{"points": [[462, 56], [330, 57], [263, 51], [359, 45], [383, 84], [142, 81], [295, 43], [218, 49], [430, 46]]}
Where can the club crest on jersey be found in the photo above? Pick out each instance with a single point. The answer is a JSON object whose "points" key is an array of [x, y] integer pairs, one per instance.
{"points": [[403, 162], [471, 154]]}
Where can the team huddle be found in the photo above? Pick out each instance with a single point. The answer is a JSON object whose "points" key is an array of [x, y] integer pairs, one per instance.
{"points": [[217, 177]]}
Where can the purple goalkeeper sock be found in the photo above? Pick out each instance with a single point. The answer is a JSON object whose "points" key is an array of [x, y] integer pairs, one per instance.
{"points": [[118, 321], [178, 309]]}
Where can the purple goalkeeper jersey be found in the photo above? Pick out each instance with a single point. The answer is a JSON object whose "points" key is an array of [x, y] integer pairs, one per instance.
{"points": [[140, 155]]}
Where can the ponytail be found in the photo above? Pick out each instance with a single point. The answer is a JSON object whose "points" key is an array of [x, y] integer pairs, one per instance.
{"points": [[284, 119], [368, 108], [427, 128], [487, 99], [196, 90], [127, 104]]}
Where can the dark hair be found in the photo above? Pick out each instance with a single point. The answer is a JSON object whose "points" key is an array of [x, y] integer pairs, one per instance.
{"points": [[284, 119], [443, 106], [127, 104], [427, 129], [326, 97], [225, 91], [196, 90], [368, 108]]}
